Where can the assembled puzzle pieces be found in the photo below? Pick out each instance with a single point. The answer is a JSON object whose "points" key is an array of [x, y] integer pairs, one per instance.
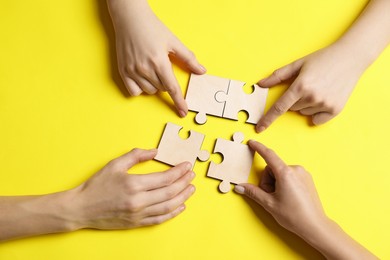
{"points": [[200, 96], [173, 150], [236, 164], [212, 95]]}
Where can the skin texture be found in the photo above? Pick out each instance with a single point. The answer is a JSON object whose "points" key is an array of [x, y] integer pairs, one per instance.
{"points": [[111, 199], [144, 46], [288, 193], [323, 81]]}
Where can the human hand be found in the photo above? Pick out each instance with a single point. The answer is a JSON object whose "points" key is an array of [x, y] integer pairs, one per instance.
{"points": [[114, 199], [322, 84], [286, 192], [143, 45]]}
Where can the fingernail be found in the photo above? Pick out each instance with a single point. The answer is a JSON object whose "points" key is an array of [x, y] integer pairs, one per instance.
{"points": [[192, 190], [188, 166], [202, 68], [182, 208], [154, 150], [239, 189], [260, 129], [261, 82], [192, 175], [182, 113]]}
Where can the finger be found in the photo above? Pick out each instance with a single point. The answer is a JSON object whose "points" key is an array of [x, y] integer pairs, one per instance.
{"points": [[281, 106], [322, 117], [131, 86], [128, 160], [270, 157], [188, 58], [278, 76], [170, 83], [146, 86], [168, 192], [158, 180], [152, 78], [170, 205], [155, 220], [255, 193], [301, 104], [311, 111]]}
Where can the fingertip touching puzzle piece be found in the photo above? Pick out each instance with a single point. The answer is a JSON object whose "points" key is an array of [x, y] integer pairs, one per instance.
{"points": [[212, 95], [173, 150], [236, 164]]}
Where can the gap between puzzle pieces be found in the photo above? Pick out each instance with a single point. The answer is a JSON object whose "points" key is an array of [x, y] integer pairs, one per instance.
{"points": [[237, 157], [221, 97]]}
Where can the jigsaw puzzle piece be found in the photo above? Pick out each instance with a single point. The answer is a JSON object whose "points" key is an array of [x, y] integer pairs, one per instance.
{"points": [[237, 100], [200, 96], [236, 164], [173, 150]]}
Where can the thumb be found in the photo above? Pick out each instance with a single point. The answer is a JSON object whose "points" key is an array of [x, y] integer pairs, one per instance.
{"points": [[321, 118], [255, 193], [282, 74], [135, 156], [188, 58]]}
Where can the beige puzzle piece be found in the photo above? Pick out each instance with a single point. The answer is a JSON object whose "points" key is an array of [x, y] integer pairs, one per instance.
{"points": [[200, 96], [237, 100], [236, 164], [173, 150]]}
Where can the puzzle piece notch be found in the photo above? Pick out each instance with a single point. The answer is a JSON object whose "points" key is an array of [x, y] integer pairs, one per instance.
{"points": [[173, 149], [236, 164], [237, 100], [200, 96]]}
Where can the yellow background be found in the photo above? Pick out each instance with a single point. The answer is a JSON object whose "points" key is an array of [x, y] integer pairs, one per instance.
{"points": [[63, 116]]}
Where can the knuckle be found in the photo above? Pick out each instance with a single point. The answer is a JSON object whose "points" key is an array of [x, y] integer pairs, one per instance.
{"points": [[168, 208], [129, 70], [131, 185], [251, 193], [268, 204], [288, 170], [142, 68], [279, 108], [168, 179], [171, 90], [132, 205], [170, 193], [278, 74], [136, 151], [114, 163], [158, 220], [298, 168]]}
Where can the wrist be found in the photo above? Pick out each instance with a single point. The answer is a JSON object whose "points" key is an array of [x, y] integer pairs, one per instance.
{"points": [[69, 210]]}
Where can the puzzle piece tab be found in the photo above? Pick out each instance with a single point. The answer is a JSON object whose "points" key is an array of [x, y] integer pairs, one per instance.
{"points": [[237, 100], [173, 150], [200, 96], [236, 164]]}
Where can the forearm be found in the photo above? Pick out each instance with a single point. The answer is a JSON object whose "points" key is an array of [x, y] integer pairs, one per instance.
{"points": [[370, 33], [36, 215], [332, 242]]}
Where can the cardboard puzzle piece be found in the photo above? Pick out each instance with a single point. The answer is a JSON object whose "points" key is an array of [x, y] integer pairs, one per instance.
{"points": [[200, 96], [173, 150], [236, 164], [237, 100], [212, 95]]}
